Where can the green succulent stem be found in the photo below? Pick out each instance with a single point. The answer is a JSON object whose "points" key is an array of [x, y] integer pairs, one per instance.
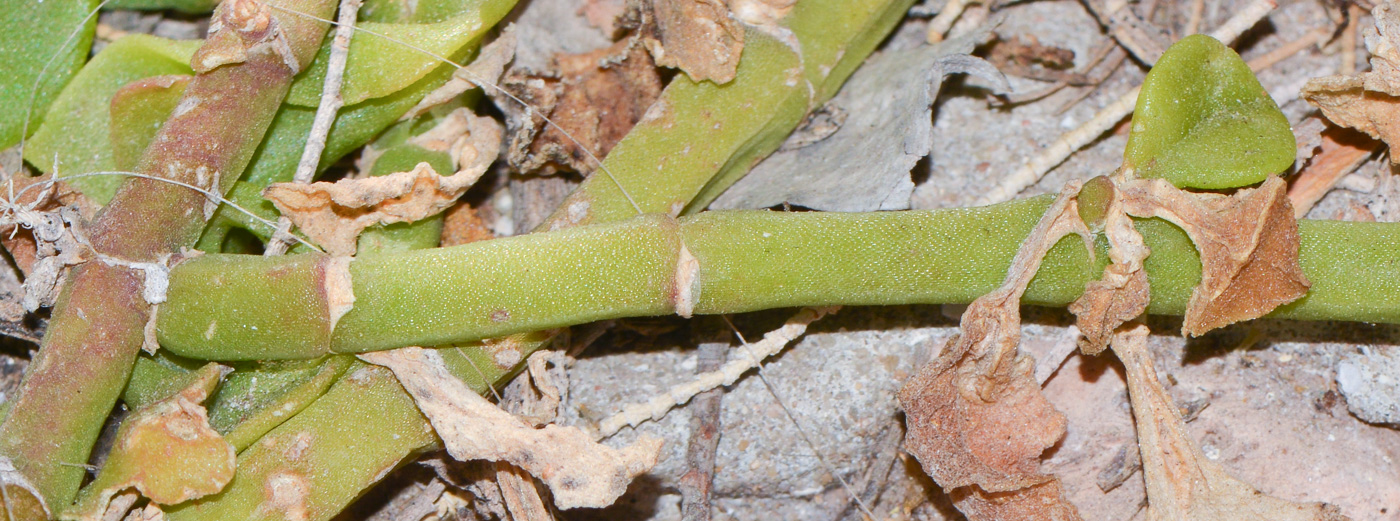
{"points": [[98, 321], [232, 307]]}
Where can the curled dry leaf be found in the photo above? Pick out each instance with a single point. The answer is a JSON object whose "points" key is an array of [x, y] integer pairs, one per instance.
{"points": [[698, 37], [1248, 244], [166, 451], [1369, 102], [976, 415], [1182, 484], [1122, 293], [593, 99], [334, 214], [579, 471]]}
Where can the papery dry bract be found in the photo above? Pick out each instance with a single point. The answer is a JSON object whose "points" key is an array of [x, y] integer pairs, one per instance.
{"points": [[1248, 244]]}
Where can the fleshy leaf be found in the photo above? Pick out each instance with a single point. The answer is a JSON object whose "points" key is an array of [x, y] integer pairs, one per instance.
{"points": [[75, 135], [38, 32], [379, 66], [138, 111], [186, 6], [1203, 121]]}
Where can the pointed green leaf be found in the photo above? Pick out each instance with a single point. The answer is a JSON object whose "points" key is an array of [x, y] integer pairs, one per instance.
{"points": [[37, 42], [1203, 121]]}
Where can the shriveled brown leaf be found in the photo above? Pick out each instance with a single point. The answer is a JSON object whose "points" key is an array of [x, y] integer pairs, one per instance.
{"points": [[1182, 484], [1369, 102], [579, 471], [463, 224], [1041, 502], [975, 413], [334, 214], [594, 99], [699, 37], [1122, 293], [1248, 244], [166, 451]]}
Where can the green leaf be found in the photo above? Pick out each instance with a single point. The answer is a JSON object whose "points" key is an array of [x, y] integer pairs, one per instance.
{"points": [[76, 131], [139, 110], [186, 6], [378, 67], [37, 42], [1203, 121]]}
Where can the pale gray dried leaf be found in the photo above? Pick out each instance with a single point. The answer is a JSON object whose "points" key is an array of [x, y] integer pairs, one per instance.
{"points": [[579, 471], [864, 165]]}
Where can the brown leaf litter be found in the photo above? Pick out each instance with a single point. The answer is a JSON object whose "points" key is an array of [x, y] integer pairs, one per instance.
{"points": [[578, 471], [975, 414], [1248, 244], [699, 37], [166, 451], [593, 99], [1182, 483], [334, 214], [41, 222], [1369, 102], [1122, 293]]}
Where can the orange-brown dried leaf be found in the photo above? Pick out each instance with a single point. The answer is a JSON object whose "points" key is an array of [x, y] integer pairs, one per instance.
{"points": [[595, 97], [1041, 502], [1248, 244], [334, 214], [1182, 484], [1122, 293], [166, 451], [1369, 102], [462, 224], [698, 37], [1341, 150], [975, 413]]}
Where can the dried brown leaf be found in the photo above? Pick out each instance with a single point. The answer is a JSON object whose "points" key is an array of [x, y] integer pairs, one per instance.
{"points": [[1040, 502], [593, 99], [334, 214], [1182, 484], [976, 415], [166, 451], [1122, 293], [1248, 244], [579, 471], [698, 37], [1369, 102]]}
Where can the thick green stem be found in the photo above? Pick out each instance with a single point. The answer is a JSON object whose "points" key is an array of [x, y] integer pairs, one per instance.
{"points": [[96, 331], [225, 307]]}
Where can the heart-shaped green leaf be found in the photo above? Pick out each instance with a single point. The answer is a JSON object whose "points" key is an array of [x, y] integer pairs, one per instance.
{"points": [[1203, 121]]}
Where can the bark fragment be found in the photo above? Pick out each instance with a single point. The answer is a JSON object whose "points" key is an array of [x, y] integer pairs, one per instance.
{"points": [[579, 471], [334, 214], [1248, 244], [976, 414]]}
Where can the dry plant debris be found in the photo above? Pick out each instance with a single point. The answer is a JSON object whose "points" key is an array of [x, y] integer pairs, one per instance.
{"points": [[334, 214], [975, 413], [593, 100], [885, 127], [1182, 483], [578, 471], [1122, 294], [1369, 102], [1248, 244], [42, 222], [699, 37], [166, 451]]}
